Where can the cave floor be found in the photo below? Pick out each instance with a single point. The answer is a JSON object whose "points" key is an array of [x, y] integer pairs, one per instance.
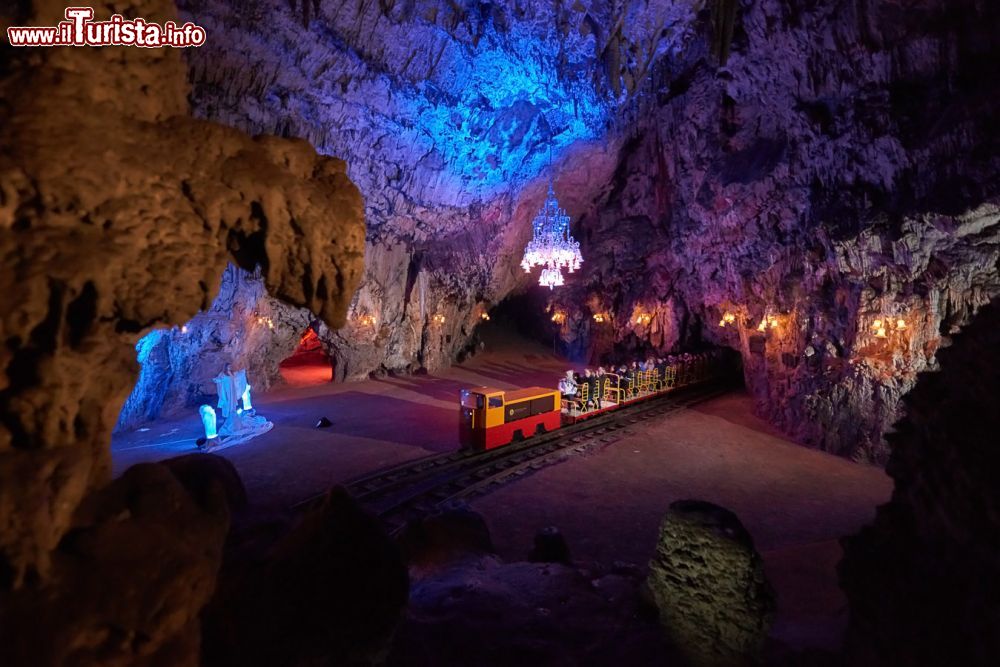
{"points": [[796, 502]]}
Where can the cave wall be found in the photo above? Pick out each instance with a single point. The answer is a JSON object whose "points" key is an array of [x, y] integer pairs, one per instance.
{"points": [[923, 580], [119, 214], [839, 168]]}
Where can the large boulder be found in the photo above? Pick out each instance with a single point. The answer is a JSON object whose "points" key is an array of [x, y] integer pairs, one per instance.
{"points": [[707, 581]]}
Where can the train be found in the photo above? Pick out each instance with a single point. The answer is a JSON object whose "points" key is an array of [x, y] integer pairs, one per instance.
{"points": [[490, 417]]}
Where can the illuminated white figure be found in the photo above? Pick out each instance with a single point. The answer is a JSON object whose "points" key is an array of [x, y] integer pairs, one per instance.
{"points": [[247, 405], [238, 421], [208, 420], [551, 246]]}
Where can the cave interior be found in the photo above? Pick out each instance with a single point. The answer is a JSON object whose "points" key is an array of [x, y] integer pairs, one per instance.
{"points": [[299, 367]]}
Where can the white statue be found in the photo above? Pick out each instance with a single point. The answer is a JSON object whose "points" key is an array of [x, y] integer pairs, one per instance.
{"points": [[239, 420], [247, 405], [208, 420]]}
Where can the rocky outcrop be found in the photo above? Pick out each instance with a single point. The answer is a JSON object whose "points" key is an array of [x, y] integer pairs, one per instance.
{"points": [[708, 582], [923, 581], [119, 214], [244, 327]]}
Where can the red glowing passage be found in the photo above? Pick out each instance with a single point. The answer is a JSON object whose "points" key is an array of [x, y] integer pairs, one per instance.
{"points": [[79, 29]]}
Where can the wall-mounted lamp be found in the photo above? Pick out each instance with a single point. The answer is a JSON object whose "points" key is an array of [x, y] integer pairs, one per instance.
{"points": [[484, 316], [643, 319], [727, 318], [600, 318], [367, 320], [438, 318], [266, 321], [768, 322], [559, 317], [881, 326]]}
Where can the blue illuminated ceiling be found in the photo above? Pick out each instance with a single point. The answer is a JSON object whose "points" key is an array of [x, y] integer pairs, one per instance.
{"points": [[430, 102], [508, 105]]}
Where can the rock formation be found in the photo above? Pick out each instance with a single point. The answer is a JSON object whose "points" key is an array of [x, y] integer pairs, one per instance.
{"points": [[119, 214], [244, 326], [708, 582], [923, 581]]}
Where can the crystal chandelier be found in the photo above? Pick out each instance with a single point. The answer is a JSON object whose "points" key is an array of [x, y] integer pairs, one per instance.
{"points": [[551, 246]]}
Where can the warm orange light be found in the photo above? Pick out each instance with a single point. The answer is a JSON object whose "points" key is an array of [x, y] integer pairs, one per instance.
{"points": [[880, 332], [558, 317], [266, 321], [768, 322], [600, 317], [438, 318], [485, 317], [877, 324], [900, 324], [367, 320], [727, 318], [643, 318]]}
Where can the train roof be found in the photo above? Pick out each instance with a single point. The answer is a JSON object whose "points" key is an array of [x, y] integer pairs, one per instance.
{"points": [[528, 392], [512, 395]]}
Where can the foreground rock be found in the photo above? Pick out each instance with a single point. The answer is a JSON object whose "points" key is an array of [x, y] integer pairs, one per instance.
{"points": [[923, 582], [488, 613], [129, 579], [444, 537], [708, 583], [330, 591]]}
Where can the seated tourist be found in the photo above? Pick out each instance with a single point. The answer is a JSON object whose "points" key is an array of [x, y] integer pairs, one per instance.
{"points": [[568, 387], [591, 380], [602, 386], [631, 379]]}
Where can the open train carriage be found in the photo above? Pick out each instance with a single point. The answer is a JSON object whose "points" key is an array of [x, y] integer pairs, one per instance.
{"points": [[493, 417]]}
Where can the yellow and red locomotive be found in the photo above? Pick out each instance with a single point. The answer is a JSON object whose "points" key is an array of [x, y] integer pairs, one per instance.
{"points": [[492, 417]]}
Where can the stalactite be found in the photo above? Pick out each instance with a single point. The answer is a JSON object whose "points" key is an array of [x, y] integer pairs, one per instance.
{"points": [[723, 13]]}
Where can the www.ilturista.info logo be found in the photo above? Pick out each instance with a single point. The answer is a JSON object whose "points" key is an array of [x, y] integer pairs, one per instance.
{"points": [[79, 29]]}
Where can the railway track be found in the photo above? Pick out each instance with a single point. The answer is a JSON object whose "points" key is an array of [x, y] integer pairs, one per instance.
{"points": [[414, 488]]}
